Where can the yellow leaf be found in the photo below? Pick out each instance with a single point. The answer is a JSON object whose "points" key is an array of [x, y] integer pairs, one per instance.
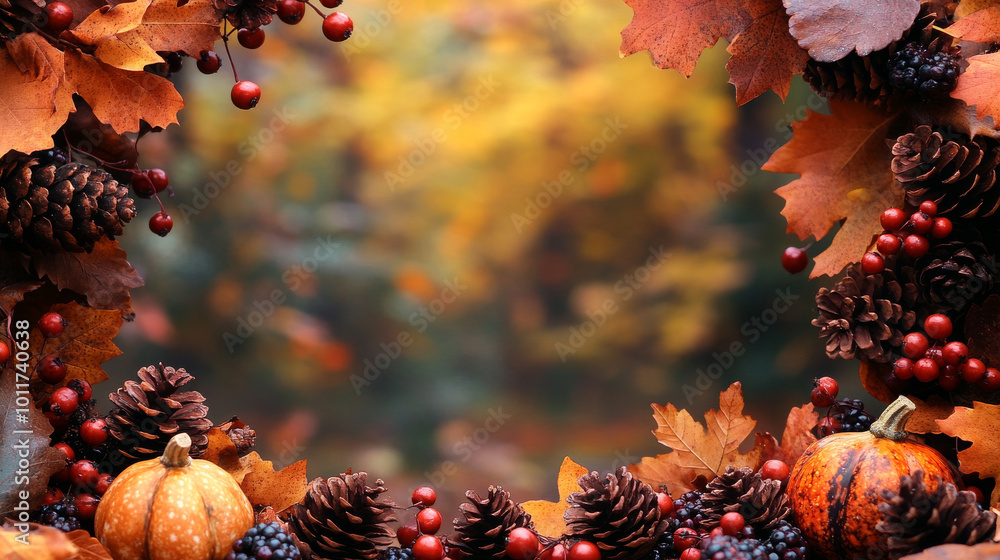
{"points": [[278, 489], [114, 33], [549, 517]]}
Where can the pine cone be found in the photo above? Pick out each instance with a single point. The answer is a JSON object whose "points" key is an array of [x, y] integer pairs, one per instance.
{"points": [[914, 519], [956, 273], [342, 517], [152, 411], [52, 205], [761, 501], [486, 522], [620, 516], [865, 315], [956, 172], [243, 438], [247, 13]]}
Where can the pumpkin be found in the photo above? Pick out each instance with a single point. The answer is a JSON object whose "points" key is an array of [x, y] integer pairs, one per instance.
{"points": [[172, 508], [835, 487]]}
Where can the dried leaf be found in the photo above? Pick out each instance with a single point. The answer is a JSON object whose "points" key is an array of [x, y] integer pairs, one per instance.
{"points": [[983, 551], [977, 85], [83, 128], [549, 517], [33, 103], [982, 26], [979, 426], [968, 7], [279, 489], [44, 543], [765, 56], [103, 275], [831, 29], [844, 166], [982, 329], [24, 436], [89, 547], [222, 451], [114, 33], [925, 419], [873, 379], [192, 28], [15, 282], [798, 433]]}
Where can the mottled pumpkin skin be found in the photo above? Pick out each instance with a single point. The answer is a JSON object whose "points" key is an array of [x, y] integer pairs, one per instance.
{"points": [[835, 488], [154, 512]]}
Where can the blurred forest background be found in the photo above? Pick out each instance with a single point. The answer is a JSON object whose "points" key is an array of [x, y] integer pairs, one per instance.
{"points": [[476, 180]]}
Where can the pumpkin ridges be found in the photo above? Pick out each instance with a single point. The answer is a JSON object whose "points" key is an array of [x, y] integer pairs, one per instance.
{"points": [[839, 501]]}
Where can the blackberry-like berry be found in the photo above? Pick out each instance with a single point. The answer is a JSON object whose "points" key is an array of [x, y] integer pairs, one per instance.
{"points": [[931, 74], [853, 417], [687, 510], [61, 515], [396, 553], [786, 542], [731, 548], [265, 541]]}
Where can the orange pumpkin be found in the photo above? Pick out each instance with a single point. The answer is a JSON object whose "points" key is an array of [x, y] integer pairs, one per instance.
{"points": [[835, 487], [172, 508]]}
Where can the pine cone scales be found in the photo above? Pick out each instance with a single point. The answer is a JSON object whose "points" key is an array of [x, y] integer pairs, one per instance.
{"points": [[760, 501], [343, 518], [152, 411], [620, 516], [956, 273], [482, 531], [59, 206], [247, 13], [915, 519], [956, 172]]}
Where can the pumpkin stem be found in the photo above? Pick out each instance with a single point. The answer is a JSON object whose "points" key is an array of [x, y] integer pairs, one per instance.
{"points": [[892, 421], [176, 453]]}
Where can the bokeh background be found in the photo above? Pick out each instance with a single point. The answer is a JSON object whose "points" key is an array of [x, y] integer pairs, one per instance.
{"points": [[485, 182]]}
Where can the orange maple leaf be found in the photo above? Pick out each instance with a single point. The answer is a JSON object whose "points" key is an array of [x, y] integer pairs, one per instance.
{"points": [[980, 426], [549, 517], [982, 26], [279, 489], [192, 28], [831, 29], [33, 103], [765, 56], [844, 166], [114, 32], [978, 85]]}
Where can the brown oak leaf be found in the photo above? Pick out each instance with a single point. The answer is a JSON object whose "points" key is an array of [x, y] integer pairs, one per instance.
{"points": [[765, 55], [88, 547], [844, 166], [24, 437], [115, 35], [33, 103], [983, 551], [43, 543], [222, 451], [979, 426], [978, 85], [924, 419], [831, 29], [279, 489], [798, 433], [549, 517], [103, 275], [192, 28], [982, 26]]}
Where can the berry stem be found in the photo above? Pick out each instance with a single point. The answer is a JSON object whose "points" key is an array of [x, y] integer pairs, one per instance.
{"points": [[225, 43], [318, 11]]}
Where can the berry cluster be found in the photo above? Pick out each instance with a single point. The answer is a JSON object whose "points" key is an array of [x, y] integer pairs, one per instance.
{"points": [[847, 415], [523, 544], [932, 74], [906, 233], [929, 357], [419, 540], [265, 541]]}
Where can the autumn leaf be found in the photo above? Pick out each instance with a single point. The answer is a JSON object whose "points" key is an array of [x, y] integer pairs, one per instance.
{"points": [[33, 101], [844, 166], [977, 85], [979, 426], [192, 28], [549, 517], [831, 29], [798, 433], [279, 489], [84, 345], [103, 275], [981, 27], [764, 55], [88, 547], [222, 451], [873, 379], [24, 436], [115, 35], [44, 543], [968, 7], [924, 419], [982, 551]]}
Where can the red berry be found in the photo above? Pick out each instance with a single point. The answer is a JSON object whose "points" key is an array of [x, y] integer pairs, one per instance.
{"points": [[82, 388], [337, 26], [94, 431], [291, 11], [937, 326], [557, 552], [827, 425], [63, 401], [86, 505], [84, 474], [775, 469], [584, 550], [161, 223], [425, 495], [934, 353], [893, 219], [972, 370], [59, 16], [929, 207], [903, 368], [51, 369], [245, 94], [732, 523], [52, 324], [331, 3], [159, 178], [665, 503], [922, 223], [872, 263], [914, 345], [824, 392], [942, 228], [4, 352], [209, 62], [685, 538], [888, 244], [926, 370], [67, 450], [407, 535], [991, 380], [794, 260], [954, 353], [522, 544], [251, 38], [691, 554], [142, 185], [52, 496], [429, 519], [59, 423], [916, 246], [950, 378], [103, 483]]}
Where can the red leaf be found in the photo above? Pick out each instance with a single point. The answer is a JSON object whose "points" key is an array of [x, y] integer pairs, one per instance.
{"points": [[765, 56], [103, 275]]}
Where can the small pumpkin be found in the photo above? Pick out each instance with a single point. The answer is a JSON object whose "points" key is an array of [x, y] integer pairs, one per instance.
{"points": [[172, 508], [835, 487]]}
